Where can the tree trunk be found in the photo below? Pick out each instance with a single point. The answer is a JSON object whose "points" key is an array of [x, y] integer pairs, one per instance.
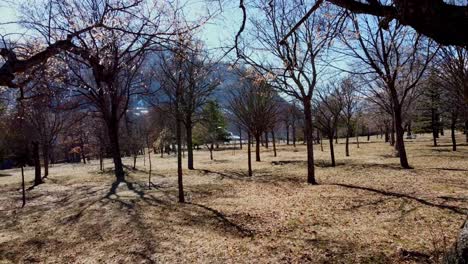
{"points": [[150, 166], [179, 158], [387, 137], [37, 164], [368, 134], [466, 131], [294, 135], [452, 130], [240, 138], [249, 157], [101, 163], [113, 131], [309, 140], [273, 141], [357, 140], [188, 129], [257, 147], [211, 147], [45, 158], [348, 134], [409, 133], [266, 139], [392, 133], [23, 187], [287, 134], [400, 143], [134, 160], [332, 151], [321, 144]]}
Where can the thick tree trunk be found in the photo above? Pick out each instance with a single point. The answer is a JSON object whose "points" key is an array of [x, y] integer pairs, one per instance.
{"points": [[37, 164], [249, 157], [188, 130], [273, 141], [113, 130], [45, 158], [309, 140], [257, 147], [332, 151], [400, 143]]}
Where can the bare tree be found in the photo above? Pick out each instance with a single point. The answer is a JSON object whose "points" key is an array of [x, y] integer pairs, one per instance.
{"points": [[328, 107], [452, 75], [349, 98], [292, 65], [254, 104], [394, 60]]}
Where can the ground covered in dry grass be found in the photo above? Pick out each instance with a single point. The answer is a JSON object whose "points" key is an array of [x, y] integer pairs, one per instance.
{"points": [[365, 210]]}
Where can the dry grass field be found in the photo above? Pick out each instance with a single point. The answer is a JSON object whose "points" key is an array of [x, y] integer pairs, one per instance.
{"points": [[365, 210]]}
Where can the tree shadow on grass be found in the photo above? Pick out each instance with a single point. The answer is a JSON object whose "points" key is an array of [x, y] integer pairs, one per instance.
{"points": [[455, 209], [5, 174], [242, 231]]}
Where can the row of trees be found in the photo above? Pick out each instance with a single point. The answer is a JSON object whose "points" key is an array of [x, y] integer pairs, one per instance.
{"points": [[103, 57]]}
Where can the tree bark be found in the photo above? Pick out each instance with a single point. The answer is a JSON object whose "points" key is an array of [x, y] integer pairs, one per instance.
{"points": [[37, 164], [387, 136], [23, 187], [45, 158], [273, 141], [332, 151], [287, 134], [309, 140], [249, 157], [113, 131], [392, 132], [400, 143], [240, 138], [452, 130], [257, 147], [348, 134], [179, 158], [150, 165], [266, 139], [466, 131], [188, 129], [294, 135], [211, 147]]}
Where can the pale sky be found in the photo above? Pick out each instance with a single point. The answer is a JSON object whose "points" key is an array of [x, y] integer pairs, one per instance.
{"points": [[218, 32]]}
